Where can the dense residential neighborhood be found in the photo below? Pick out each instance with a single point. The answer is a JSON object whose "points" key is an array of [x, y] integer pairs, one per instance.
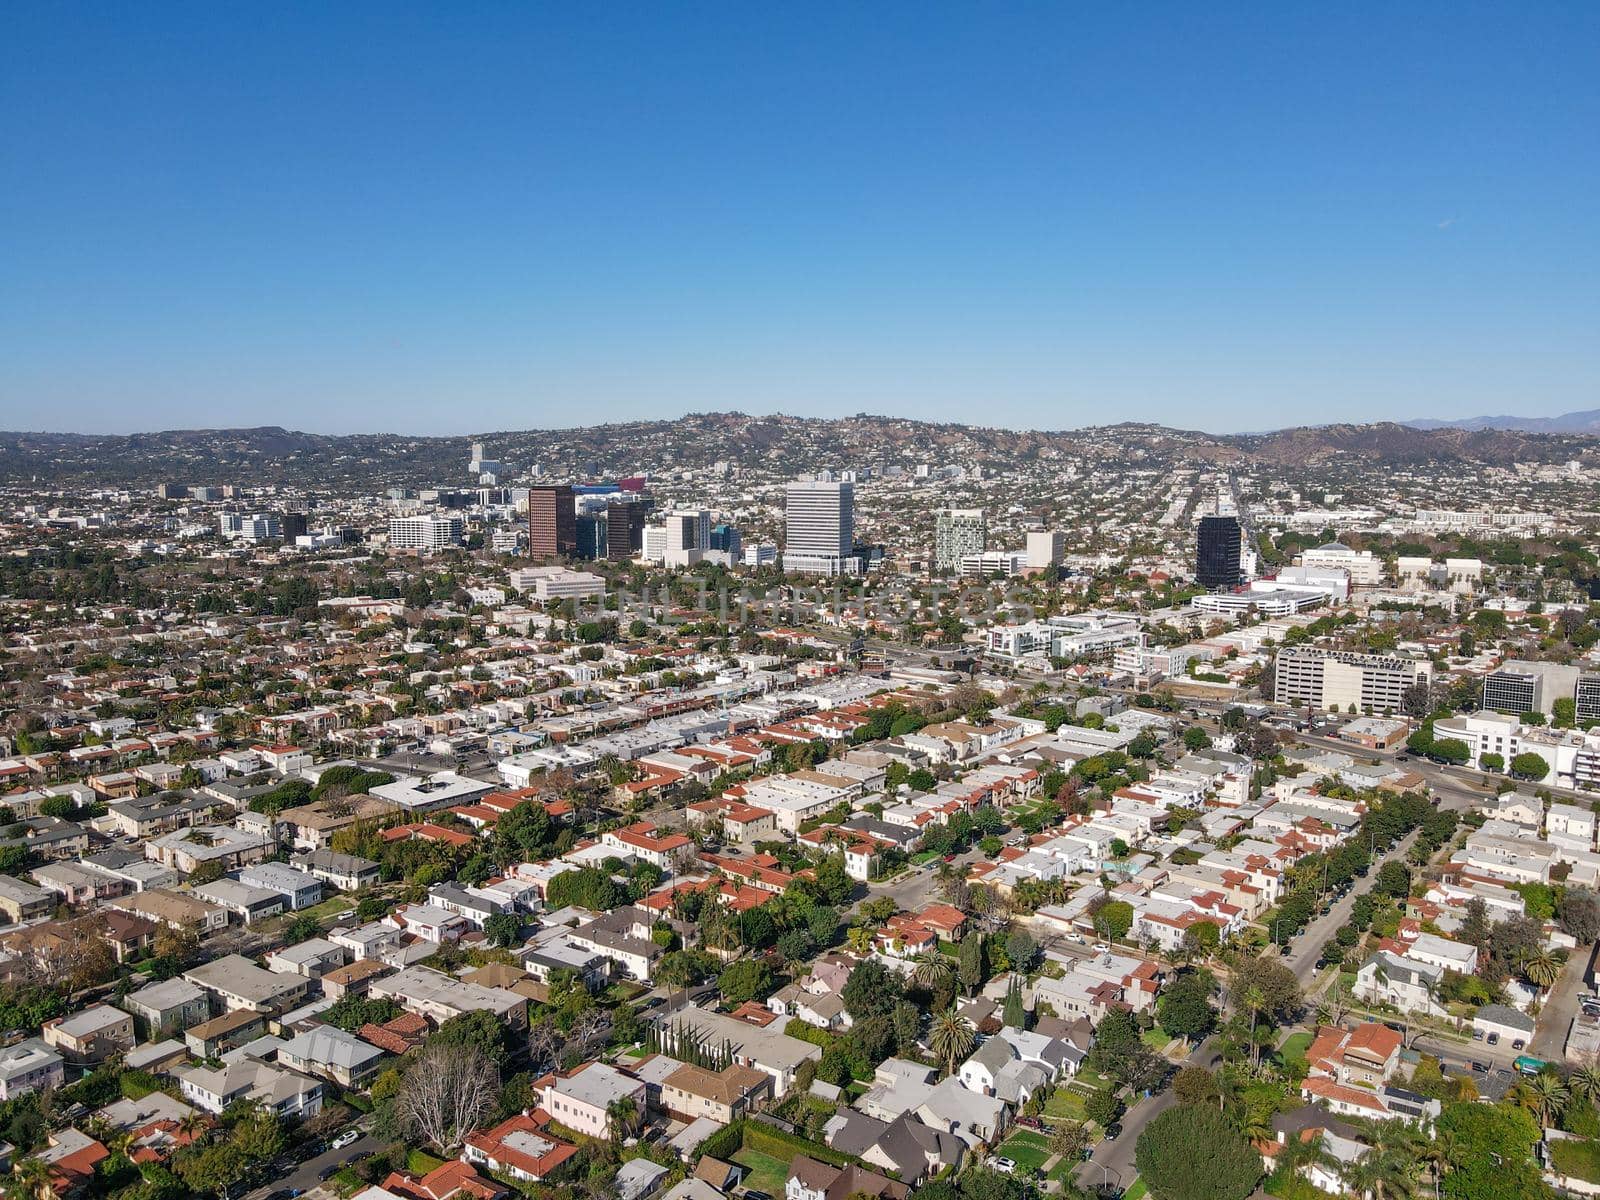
{"points": [[557, 839]]}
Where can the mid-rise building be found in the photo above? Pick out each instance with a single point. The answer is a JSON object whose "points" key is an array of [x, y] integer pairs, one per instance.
{"points": [[1364, 568], [1219, 552], [424, 533], [1045, 548], [957, 533], [819, 528], [1521, 686], [1328, 679], [552, 522]]}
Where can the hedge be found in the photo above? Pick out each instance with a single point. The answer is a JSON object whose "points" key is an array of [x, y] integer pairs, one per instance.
{"points": [[768, 1139], [1579, 1160]]}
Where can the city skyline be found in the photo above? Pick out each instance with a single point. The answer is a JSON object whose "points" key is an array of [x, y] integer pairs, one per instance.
{"points": [[429, 225]]}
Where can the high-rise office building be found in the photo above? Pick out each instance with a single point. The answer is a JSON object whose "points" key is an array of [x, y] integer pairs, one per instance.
{"points": [[957, 533], [819, 528], [1219, 553], [552, 522], [625, 529], [294, 525]]}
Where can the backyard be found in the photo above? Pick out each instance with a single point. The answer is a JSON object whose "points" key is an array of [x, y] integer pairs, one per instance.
{"points": [[767, 1174]]}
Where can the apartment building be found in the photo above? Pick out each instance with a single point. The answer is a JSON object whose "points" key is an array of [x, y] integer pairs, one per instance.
{"points": [[424, 533]]}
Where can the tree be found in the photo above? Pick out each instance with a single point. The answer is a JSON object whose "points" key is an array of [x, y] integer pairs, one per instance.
{"points": [[1014, 1014], [503, 929], [1530, 766], [481, 1032], [831, 880], [745, 979], [1191, 1152], [1185, 1007], [871, 991], [1021, 951], [1393, 880], [447, 1093], [1196, 738], [1114, 919], [1579, 913], [1541, 968], [1102, 1106], [1195, 1085], [907, 1021], [1453, 750], [970, 962], [951, 1037], [932, 971], [1492, 762], [1279, 989], [1544, 1096], [1488, 1150]]}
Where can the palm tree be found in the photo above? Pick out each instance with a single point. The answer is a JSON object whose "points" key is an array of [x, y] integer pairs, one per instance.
{"points": [[1379, 1174], [1584, 1083], [951, 1038], [194, 1125], [34, 1179], [1542, 969], [1252, 1000], [1544, 1096], [931, 971]]}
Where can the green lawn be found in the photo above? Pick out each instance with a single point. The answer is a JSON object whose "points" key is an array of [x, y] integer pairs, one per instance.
{"points": [[1137, 1191], [1295, 1046], [323, 912], [420, 1162], [767, 1174], [1156, 1039], [1026, 1148], [1064, 1105], [1062, 1171]]}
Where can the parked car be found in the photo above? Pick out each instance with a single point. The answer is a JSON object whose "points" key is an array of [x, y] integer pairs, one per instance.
{"points": [[329, 1171], [1029, 1122], [348, 1137], [1494, 1039], [1004, 1165]]}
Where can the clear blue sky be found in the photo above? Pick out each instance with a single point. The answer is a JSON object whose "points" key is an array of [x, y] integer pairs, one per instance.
{"points": [[462, 217]]}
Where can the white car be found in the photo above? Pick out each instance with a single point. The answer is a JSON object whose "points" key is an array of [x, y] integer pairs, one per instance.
{"points": [[348, 1137], [1101, 948], [1004, 1165]]}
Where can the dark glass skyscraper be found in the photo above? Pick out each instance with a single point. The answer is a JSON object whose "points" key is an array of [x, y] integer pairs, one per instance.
{"points": [[1218, 553]]}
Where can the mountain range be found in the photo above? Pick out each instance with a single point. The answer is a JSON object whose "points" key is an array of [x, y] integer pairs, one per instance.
{"points": [[365, 463], [1587, 421]]}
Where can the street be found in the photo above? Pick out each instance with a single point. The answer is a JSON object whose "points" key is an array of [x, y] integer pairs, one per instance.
{"points": [[307, 1175]]}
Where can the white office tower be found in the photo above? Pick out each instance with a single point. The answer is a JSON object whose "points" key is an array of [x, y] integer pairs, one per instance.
{"points": [[687, 537], [424, 533], [1045, 548], [957, 533], [655, 544], [819, 528]]}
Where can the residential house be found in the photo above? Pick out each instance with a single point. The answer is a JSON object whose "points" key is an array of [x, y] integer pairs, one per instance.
{"points": [[518, 1147], [168, 1006], [585, 1099], [332, 1054], [90, 1035], [692, 1092]]}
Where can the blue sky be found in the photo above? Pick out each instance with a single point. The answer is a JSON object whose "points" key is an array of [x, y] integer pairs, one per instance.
{"points": [[454, 218]]}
